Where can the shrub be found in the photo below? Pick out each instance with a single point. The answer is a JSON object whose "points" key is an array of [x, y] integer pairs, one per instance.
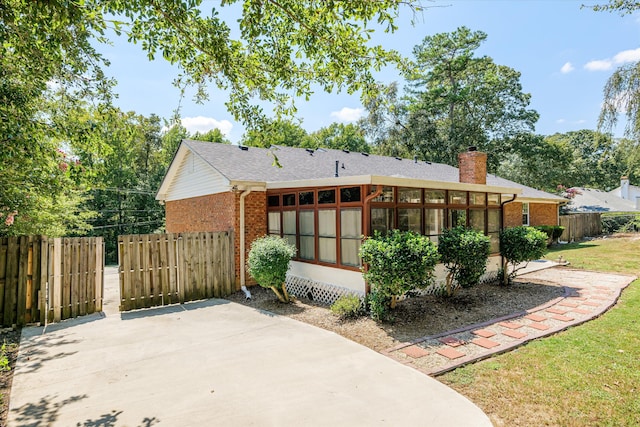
{"points": [[553, 232], [378, 304], [268, 263], [521, 245], [347, 306], [620, 223], [396, 263], [464, 253]]}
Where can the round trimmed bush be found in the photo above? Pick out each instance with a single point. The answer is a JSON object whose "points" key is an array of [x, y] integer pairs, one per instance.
{"points": [[268, 263]]}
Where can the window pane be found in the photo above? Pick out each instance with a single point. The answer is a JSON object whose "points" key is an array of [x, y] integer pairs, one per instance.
{"points": [[409, 220], [349, 249], [289, 222], [434, 223], [434, 196], [477, 199], [525, 214], [291, 238], [351, 232], [327, 222], [274, 223], [457, 197], [307, 247], [305, 198], [307, 226], [457, 217], [493, 199], [476, 219], [385, 196], [273, 201], [289, 200], [351, 194], [409, 195], [493, 220], [326, 196], [381, 220], [327, 249], [351, 223]]}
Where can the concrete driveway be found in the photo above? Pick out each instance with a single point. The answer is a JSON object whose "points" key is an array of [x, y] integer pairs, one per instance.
{"points": [[216, 363]]}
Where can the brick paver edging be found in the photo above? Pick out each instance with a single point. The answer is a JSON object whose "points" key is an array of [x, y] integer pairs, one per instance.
{"points": [[435, 354]]}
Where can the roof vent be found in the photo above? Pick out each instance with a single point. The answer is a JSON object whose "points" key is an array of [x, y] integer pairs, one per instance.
{"points": [[472, 148], [345, 151], [243, 147], [427, 162], [398, 158], [309, 150], [337, 166], [415, 159], [343, 166], [365, 154]]}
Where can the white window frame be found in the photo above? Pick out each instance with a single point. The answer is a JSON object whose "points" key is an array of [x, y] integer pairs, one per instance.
{"points": [[526, 213]]}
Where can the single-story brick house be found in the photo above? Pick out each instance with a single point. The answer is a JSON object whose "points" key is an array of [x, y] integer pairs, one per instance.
{"points": [[324, 201]]}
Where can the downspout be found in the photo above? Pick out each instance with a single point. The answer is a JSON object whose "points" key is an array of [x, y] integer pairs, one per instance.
{"points": [[367, 222], [502, 264], [243, 286]]}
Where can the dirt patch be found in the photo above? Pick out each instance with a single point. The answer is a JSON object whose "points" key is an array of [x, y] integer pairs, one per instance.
{"points": [[414, 317], [10, 338]]}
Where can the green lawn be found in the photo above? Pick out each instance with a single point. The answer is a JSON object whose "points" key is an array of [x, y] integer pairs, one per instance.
{"points": [[586, 376]]}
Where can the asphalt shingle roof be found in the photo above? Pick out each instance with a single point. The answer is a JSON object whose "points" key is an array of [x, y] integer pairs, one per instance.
{"points": [[256, 164]]}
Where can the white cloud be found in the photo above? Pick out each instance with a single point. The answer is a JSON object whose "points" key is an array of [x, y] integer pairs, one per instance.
{"points": [[560, 121], [348, 114], [623, 57], [581, 121], [599, 65], [567, 68], [632, 55], [203, 124]]}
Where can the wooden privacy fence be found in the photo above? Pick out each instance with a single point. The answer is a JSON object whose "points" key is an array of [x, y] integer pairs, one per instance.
{"points": [[580, 225], [161, 269], [49, 279]]}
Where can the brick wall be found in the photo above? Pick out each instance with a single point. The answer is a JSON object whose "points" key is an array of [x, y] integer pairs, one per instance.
{"points": [[221, 212], [214, 212], [512, 214], [539, 214], [543, 214], [472, 166]]}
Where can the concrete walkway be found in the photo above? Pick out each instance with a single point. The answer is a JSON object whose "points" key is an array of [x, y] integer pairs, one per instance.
{"points": [[216, 363], [586, 295]]}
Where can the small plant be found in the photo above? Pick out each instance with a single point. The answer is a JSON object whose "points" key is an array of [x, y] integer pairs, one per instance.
{"points": [[520, 245], [4, 359], [379, 304], [347, 307], [396, 263], [268, 263], [464, 252]]}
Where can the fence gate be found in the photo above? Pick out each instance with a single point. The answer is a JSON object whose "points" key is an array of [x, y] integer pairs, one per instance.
{"points": [[161, 269], [49, 279]]}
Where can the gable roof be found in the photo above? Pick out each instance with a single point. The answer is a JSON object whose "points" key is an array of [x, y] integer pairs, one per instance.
{"points": [[307, 167], [590, 200]]}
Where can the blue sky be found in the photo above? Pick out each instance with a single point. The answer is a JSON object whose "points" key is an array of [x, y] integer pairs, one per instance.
{"points": [[564, 53]]}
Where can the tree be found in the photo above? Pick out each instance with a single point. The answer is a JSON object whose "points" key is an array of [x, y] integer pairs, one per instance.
{"points": [[276, 132], [214, 135], [284, 49], [339, 136], [458, 100], [583, 158], [382, 126]]}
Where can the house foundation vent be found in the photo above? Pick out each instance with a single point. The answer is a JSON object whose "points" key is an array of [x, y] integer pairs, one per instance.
{"points": [[317, 291]]}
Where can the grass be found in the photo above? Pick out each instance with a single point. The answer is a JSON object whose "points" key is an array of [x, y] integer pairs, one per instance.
{"points": [[586, 376]]}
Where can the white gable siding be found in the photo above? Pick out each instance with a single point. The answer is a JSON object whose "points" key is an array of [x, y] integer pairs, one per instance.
{"points": [[196, 178]]}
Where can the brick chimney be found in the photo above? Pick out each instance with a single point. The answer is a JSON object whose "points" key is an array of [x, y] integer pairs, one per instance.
{"points": [[472, 165]]}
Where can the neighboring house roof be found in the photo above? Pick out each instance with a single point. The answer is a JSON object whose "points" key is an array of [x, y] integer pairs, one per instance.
{"points": [[633, 192], [299, 166], [590, 200]]}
